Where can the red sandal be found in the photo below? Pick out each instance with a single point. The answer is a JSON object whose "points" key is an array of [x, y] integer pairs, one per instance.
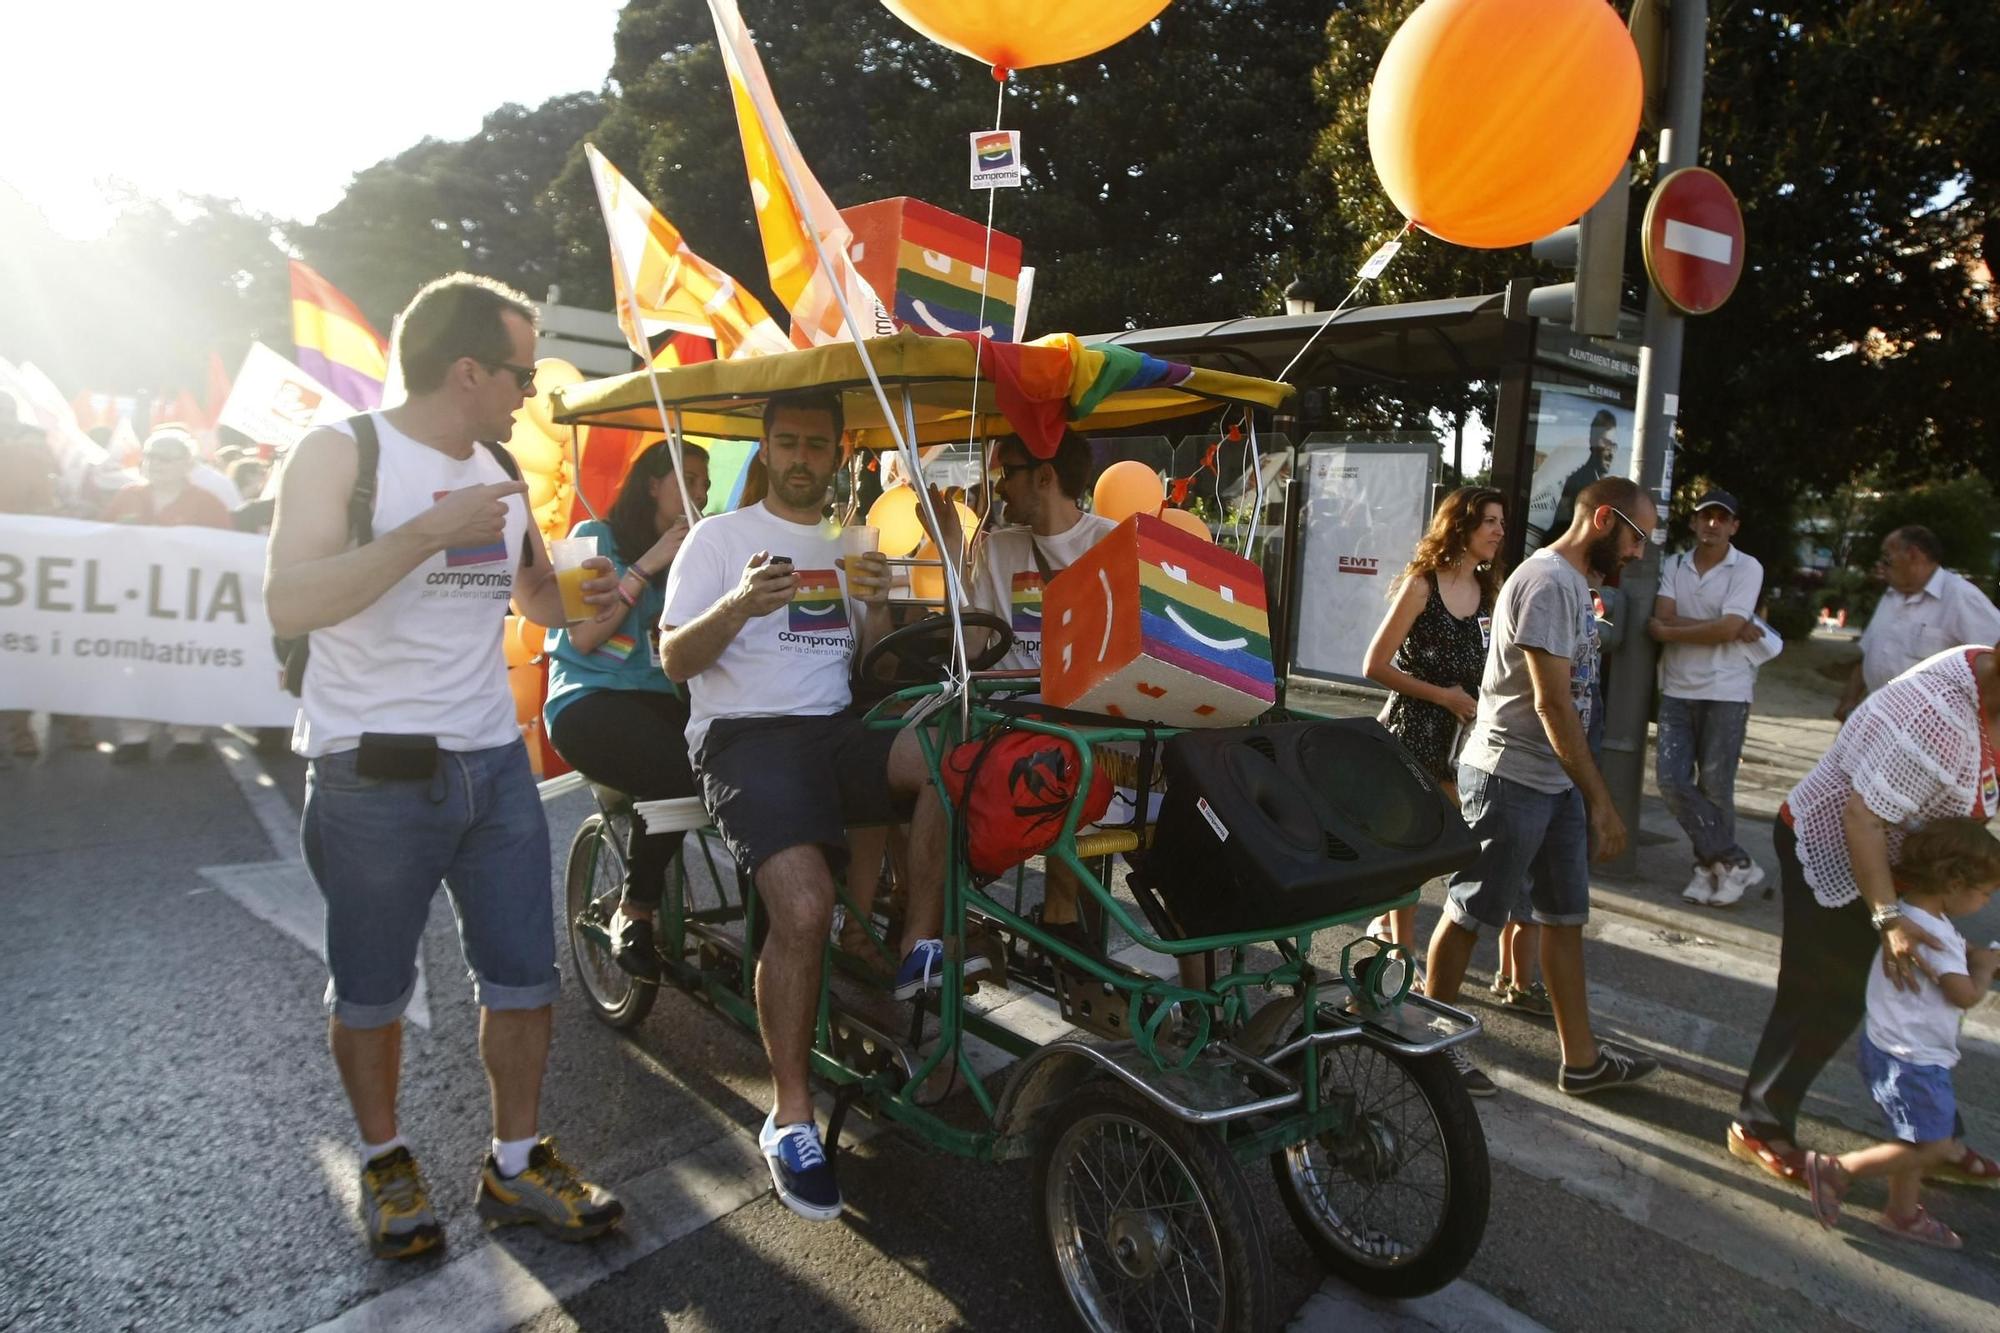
{"points": [[1786, 1166], [1972, 1168]]}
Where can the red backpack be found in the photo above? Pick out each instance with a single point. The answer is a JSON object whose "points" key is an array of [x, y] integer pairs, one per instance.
{"points": [[1012, 790]]}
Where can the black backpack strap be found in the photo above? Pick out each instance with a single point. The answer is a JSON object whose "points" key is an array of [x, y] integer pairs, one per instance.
{"points": [[367, 458], [1041, 561], [512, 468]]}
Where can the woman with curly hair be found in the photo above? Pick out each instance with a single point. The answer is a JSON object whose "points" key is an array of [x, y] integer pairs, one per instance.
{"points": [[1430, 650]]}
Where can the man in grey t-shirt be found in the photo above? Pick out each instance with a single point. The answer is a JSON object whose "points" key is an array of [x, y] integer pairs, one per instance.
{"points": [[1528, 786]]}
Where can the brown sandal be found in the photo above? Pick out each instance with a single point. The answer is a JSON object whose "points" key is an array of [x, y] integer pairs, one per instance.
{"points": [[1786, 1166], [1972, 1168]]}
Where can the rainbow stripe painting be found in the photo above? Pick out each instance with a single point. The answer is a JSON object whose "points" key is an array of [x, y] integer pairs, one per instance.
{"points": [[1027, 602], [817, 606], [1157, 624]]}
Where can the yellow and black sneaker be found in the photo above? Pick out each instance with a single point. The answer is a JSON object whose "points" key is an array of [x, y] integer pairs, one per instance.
{"points": [[548, 1194], [396, 1207]]}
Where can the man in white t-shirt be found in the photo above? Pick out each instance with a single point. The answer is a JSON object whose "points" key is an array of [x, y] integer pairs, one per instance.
{"points": [[1925, 610], [1045, 532], [418, 772], [1704, 617], [756, 625]]}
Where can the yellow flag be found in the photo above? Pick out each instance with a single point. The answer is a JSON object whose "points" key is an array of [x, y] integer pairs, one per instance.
{"points": [[787, 222], [676, 289]]}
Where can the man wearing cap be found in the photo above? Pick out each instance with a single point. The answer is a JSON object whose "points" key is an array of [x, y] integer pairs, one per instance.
{"points": [[167, 498], [1925, 610], [1704, 618]]}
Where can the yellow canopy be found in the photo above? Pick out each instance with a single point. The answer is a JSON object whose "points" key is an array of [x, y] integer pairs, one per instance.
{"points": [[725, 399]]}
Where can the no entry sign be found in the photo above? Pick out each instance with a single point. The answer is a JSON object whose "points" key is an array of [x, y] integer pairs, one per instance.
{"points": [[1693, 240]]}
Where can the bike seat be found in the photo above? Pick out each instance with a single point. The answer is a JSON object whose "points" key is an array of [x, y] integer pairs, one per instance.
{"points": [[676, 814]]}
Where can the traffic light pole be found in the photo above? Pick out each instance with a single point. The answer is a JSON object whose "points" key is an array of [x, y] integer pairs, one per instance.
{"points": [[1629, 702]]}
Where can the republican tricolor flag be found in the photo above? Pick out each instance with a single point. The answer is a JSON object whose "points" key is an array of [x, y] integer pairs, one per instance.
{"points": [[336, 344], [673, 289]]}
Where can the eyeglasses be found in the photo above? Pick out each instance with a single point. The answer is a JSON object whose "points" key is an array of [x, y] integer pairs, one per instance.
{"points": [[1002, 471], [1629, 523], [524, 376]]}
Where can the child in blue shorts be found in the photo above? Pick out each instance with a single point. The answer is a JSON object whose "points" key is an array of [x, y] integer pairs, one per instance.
{"points": [[1949, 868]]}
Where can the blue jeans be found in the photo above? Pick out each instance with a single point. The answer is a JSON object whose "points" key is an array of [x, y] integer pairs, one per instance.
{"points": [[1917, 1100], [377, 849], [1533, 845], [1704, 735]]}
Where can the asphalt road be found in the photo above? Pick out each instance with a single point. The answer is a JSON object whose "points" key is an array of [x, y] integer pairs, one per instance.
{"points": [[181, 1157]]}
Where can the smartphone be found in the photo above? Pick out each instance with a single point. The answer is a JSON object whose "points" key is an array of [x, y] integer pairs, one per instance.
{"points": [[777, 560]]}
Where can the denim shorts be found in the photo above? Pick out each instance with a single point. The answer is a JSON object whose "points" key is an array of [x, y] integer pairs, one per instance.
{"points": [[1534, 855], [377, 849], [1916, 1100]]}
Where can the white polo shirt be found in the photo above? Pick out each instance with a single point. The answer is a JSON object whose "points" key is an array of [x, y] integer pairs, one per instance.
{"points": [[1717, 672], [1947, 612]]}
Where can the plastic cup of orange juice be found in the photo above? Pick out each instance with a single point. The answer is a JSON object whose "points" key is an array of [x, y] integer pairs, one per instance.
{"points": [[567, 554]]}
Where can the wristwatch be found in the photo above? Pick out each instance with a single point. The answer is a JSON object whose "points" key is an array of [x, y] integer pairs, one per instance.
{"points": [[1882, 916]]}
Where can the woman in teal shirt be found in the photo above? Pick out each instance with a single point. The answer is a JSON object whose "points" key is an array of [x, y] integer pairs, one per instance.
{"points": [[612, 714]]}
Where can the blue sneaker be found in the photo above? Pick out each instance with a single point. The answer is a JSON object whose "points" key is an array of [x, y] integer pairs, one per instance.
{"points": [[799, 1169], [923, 971]]}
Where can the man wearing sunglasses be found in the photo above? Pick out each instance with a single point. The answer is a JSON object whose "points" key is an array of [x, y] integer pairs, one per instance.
{"points": [[1529, 787], [418, 772]]}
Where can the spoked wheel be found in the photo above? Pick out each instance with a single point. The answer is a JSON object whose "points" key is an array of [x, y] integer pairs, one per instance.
{"points": [[595, 879], [1147, 1220], [1395, 1202]]}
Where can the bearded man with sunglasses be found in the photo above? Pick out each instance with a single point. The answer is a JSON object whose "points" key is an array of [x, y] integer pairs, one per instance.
{"points": [[1529, 787], [418, 772]]}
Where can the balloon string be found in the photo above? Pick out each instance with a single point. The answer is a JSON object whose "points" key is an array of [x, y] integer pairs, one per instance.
{"points": [[979, 323], [1335, 313]]}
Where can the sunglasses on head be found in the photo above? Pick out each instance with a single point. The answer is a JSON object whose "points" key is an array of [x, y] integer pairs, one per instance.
{"points": [[524, 376], [1628, 522]]}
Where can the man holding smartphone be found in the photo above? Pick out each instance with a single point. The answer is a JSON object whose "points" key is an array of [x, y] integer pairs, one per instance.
{"points": [[418, 772], [756, 625]]}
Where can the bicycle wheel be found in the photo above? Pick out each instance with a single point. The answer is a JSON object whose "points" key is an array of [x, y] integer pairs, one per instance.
{"points": [[594, 881], [1146, 1220], [1395, 1201]]}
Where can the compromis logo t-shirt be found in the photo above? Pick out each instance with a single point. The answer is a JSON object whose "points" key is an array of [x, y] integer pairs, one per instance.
{"points": [[792, 662]]}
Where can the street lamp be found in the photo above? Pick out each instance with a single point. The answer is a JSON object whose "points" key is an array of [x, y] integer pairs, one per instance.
{"points": [[1297, 300]]}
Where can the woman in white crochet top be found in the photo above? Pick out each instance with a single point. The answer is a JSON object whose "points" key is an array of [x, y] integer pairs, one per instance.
{"points": [[1920, 748]]}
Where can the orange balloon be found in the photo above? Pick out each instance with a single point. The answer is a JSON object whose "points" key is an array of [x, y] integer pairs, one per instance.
{"points": [[1126, 488], [894, 515], [1187, 522], [526, 684], [1020, 34], [1494, 122]]}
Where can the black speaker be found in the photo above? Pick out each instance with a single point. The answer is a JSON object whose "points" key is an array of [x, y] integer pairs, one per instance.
{"points": [[1264, 828]]}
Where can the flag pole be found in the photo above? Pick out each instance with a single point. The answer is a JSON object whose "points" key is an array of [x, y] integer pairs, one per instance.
{"points": [[904, 446]]}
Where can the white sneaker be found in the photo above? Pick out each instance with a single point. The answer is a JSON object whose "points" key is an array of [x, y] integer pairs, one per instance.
{"points": [[1701, 889], [1734, 882]]}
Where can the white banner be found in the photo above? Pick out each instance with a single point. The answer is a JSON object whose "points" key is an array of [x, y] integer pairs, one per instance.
{"points": [[274, 402], [117, 620], [1365, 507]]}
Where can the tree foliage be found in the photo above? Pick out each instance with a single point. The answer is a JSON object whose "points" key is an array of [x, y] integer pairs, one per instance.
{"points": [[481, 204], [1164, 174], [1860, 139]]}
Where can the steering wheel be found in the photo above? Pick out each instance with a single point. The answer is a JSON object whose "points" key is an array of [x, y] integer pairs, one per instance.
{"points": [[922, 648]]}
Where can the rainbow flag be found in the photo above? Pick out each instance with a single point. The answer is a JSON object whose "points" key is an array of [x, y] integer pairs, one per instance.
{"points": [[619, 646], [336, 344]]}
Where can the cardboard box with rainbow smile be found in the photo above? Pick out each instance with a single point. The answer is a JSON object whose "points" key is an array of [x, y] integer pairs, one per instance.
{"points": [[1157, 625]]}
